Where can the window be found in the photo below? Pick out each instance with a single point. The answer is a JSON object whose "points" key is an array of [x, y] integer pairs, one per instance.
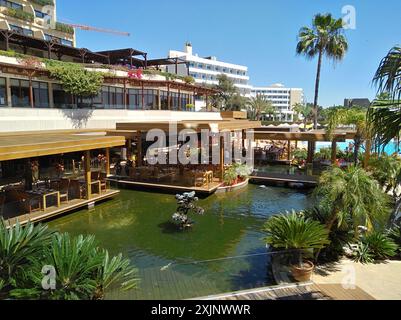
{"points": [[20, 30], [151, 99], [164, 100], [62, 99], [134, 99], [10, 4], [40, 14], [3, 92], [67, 43], [20, 93], [40, 94]]}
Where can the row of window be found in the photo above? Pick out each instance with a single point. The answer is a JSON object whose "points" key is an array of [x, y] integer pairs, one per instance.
{"points": [[20, 30], [271, 91], [108, 98], [10, 4], [217, 68], [49, 37], [209, 77]]}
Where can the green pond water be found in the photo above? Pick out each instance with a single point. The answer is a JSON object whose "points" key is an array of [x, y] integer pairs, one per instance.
{"points": [[223, 252]]}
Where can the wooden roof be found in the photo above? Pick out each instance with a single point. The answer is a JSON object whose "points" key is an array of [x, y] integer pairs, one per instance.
{"points": [[215, 126], [20, 146], [318, 136]]}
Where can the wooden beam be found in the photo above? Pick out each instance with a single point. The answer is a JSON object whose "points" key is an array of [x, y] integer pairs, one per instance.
{"points": [[311, 151], [289, 151], [139, 147], [222, 158], [108, 162], [88, 175]]}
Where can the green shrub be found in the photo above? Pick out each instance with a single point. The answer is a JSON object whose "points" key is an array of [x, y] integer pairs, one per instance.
{"points": [[43, 2], [189, 80], [323, 154], [19, 14], [75, 79], [293, 231], [300, 154], [362, 254], [64, 28], [380, 245]]}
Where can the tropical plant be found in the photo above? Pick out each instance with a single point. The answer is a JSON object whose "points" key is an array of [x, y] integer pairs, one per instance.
{"points": [[75, 79], [323, 154], [227, 90], [305, 110], [43, 2], [325, 38], [352, 196], [20, 247], [386, 169], [19, 14], [362, 254], [385, 112], [300, 154], [64, 28], [380, 245], [293, 231], [259, 105], [355, 117], [189, 80]]}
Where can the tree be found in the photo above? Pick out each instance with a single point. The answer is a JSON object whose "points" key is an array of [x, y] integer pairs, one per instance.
{"points": [[325, 38], [385, 112], [352, 196], [259, 105], [295, 232], [305, 111], [227, 91], [355, 117]]}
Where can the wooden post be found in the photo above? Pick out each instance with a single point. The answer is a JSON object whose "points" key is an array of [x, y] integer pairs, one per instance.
{"points": [[159, 100], [311, 151], [129, 149], [31, 94], [107, 162], [243, 136], [334, 152], [139, 147], [367, 153], [88, 177], [289, 151], [168, 98], [222, 158], [143, 97], [125, 95]]}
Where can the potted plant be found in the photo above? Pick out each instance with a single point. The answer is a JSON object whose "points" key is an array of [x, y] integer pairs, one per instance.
{"points": [[230, 176], [294, 232]]}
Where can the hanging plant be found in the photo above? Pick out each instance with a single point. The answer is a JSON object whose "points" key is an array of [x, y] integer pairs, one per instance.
{"points": [[75, 79]]}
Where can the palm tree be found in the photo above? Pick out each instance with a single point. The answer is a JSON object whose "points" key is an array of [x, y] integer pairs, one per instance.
{"points": [[355, 117], [20, 247], [325, 38], [259, 105], [305, 111], [352, 196], [385, 112], [295, 232]]}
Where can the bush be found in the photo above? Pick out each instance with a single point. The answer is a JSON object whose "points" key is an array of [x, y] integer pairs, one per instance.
{"points": [[375, 246], [189, 80], [19, 14], [300, 154], [43, 2], [75, 79], [294, 231], [64, 28]]}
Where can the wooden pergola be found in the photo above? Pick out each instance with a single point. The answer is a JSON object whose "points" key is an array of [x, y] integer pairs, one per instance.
{"points": [[311, 137], [15, 146], [134, 130]]}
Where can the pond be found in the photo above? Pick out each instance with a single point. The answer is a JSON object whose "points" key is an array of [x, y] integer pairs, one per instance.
{"points": [[223, 252]]}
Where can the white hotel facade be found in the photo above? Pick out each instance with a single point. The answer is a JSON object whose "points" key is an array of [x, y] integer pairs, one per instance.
{"points": [[283, 100], [206, 70]]}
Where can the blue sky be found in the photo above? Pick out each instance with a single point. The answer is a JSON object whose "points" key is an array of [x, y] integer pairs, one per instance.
{"points": [[261, 34]]}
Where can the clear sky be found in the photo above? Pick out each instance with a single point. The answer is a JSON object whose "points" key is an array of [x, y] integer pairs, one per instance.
{"points": [[260, 34]]}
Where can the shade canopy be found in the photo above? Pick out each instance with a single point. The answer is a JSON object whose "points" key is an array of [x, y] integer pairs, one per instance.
{"points": [[22, 146], [313, 136]]}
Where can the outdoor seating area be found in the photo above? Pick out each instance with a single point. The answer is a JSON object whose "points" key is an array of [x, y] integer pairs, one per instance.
{"points": [[37, 179]]}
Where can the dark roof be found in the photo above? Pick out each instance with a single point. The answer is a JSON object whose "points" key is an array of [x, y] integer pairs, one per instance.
{"points": [[166, 61], [360, 102]]}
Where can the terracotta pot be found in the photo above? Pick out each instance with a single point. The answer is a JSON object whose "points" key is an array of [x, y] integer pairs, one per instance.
{"points": [[304, 273]]}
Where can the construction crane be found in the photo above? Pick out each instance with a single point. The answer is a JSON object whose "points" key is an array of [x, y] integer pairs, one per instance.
{"points": [[89, 28]]}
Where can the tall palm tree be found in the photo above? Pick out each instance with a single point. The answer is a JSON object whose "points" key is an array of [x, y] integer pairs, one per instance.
{"points": [[352, 196], [355, 117], [325, 38], [259, 105], [305, 111], [385, 112]]}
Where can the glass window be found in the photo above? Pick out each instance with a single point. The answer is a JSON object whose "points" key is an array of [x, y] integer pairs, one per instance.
{"points": [[20, 93], [62, 99], [134, 99], [40, 94], [10, 4], [67, 42], [3, 92], [164, 100]]}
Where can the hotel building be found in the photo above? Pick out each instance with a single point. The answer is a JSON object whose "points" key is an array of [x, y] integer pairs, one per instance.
{"points": [[205, 70], [283, 100]]}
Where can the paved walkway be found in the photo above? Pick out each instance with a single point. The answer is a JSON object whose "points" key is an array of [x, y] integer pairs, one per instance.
{"points": [[381, 281]]}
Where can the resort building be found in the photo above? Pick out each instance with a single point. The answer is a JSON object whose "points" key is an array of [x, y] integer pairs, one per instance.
{"points": [[205, 70], [283, 100], [36, 19]]}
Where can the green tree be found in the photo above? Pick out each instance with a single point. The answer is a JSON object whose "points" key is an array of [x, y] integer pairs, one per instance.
{"points": [[293, 231], [325, 38], [258, 106], [352, 196], [228, 92], [385, 112], [355, 117], [305, 111]]}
